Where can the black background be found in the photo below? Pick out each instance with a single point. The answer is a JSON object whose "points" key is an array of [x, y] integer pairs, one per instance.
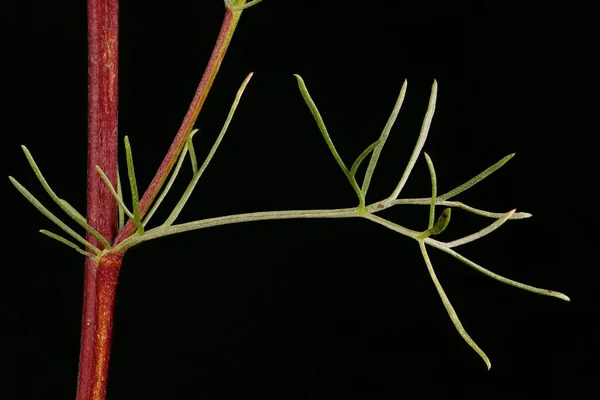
{"points": [[312, 309]]}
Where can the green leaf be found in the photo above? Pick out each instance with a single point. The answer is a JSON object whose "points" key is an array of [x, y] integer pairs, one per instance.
{"points": [[320, 123], [439, 226], [66, 242], [473, 181], [169, 184], [392, 226], [361, 158], [63, 204], [190, 147], [427, 201], [134, 189], [382, 139], [451, 312], [319, 120], [115, 194], [433, 192], [420, 141], [545, 292], [188, 192], [40, 207], [478, 235], [441, 223], [119, 199]]}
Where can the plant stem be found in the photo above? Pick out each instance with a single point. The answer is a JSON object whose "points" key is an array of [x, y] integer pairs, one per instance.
{"points": [[230, 22], [101, 277], [103, 53], [106, 285]]}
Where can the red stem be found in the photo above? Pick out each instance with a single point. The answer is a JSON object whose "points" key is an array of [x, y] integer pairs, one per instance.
{"points": [[227, 28], [101, 277], [103, 53], [106, 286]]}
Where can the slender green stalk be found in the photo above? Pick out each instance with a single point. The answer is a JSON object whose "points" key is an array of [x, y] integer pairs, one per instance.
{"points": [[167, 230], [392, 226]]}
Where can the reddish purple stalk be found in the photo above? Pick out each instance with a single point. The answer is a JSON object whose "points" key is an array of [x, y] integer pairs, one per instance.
{"points": [[103, 57], [101, 277], [229, 23]]}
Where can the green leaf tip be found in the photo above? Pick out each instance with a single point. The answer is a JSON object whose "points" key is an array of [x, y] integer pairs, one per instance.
{"points": [[562, 296], [383, 138], [66, 242], [40, 207], [450, 309], [137, 219], [188, 191], [420, 141], [118, 198], [63, 204], [544, 292], [476, 179], [323, 129], [442, 222], [433, 191], [483, 232]]}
